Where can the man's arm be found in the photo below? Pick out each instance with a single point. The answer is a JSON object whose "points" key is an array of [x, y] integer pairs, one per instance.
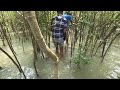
{"points": [[65, 26]]}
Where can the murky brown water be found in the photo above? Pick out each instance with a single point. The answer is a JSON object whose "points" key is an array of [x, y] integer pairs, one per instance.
{"points": [[109, 69]]}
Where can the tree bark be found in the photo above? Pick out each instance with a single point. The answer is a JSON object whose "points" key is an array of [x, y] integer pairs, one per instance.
{"points": [[31, 18]]}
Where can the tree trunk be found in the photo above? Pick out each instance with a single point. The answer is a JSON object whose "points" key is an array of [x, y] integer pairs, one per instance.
{"points": [[31, 17]]}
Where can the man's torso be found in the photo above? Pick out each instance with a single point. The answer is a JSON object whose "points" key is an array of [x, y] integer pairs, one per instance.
{"points": [[59, 23]]}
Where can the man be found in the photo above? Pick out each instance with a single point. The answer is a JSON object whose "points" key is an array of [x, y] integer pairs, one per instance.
{"points": [[68, 16], [58, 28]]}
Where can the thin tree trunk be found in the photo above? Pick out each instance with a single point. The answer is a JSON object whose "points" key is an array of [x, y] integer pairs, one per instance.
{"points": [[31, 17]]}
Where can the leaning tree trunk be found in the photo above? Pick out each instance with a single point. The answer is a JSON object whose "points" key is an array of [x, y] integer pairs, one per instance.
{"points": [[31, 17]]}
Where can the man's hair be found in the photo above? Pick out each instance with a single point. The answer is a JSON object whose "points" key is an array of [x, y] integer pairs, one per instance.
{"points": [[59, 12], [68, 13]]}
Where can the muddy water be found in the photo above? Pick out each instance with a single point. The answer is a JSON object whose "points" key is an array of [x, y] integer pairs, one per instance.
{"points": [[109, 69]]}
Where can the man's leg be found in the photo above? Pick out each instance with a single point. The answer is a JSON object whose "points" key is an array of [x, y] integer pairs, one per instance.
{"points": [[61, 47], [56, 45], [61, 51], [56, 48]]}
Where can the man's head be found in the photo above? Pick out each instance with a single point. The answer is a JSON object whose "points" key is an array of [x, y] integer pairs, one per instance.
{"points": [[59, 12], [68, 13]]}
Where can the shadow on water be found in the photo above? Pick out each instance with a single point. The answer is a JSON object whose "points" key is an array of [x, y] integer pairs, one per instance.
{"points": [[109, 69]]}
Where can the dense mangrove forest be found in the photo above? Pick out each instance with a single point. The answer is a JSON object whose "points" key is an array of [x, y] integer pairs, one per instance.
{"points": [[27, 50]]}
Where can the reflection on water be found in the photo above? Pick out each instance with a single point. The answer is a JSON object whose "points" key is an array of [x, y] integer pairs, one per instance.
{"points": [[109, 69]]}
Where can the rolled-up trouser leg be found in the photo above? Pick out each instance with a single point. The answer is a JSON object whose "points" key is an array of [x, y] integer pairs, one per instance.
{"points": [[56, 45], [59, 42]]}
